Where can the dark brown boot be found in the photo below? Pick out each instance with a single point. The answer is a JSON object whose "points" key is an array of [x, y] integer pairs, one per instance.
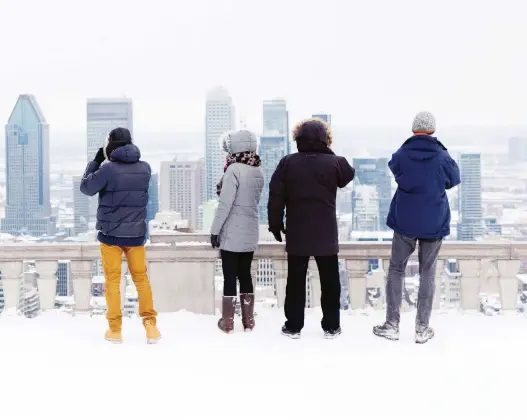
{"points": [[226, 322], [247, 304]]}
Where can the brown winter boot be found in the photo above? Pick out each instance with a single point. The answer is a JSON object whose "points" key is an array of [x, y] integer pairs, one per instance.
{"points": [[247, 304], [226, 322]]}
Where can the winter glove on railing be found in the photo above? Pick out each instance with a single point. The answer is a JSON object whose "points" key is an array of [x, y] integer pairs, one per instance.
{"points": [[99, 157], [215, 241]]}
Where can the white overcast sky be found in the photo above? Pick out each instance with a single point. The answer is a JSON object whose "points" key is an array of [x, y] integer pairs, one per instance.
{"points": [[364, 61]]}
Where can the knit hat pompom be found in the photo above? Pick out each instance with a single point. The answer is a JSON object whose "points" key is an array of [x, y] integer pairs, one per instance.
{"points": [[424, 122]]}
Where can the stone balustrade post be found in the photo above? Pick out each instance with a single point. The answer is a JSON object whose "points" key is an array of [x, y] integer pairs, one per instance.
{"points": [[280, 278], [357, 270], [470, 283], [47, 283], [314, 284], [81, 272], [508, 283], [11, 283]]}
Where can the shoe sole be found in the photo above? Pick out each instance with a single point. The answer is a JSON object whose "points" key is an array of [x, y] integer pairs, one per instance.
{"points": [[291, 336], [332, 336], [153, 340], [247, 330], [386, 337], [114, 341], [417, 341]]}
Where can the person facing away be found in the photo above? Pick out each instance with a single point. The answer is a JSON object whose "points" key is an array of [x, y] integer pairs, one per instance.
{"points": [[419, 214], [235, 228], [304, 185], [122, 185]]}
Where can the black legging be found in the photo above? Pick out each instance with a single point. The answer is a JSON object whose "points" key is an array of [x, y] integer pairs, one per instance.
{"points": [[236, 265]]}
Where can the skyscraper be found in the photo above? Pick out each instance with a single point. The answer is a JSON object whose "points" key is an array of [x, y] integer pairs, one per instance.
{"points": [[470, 226], [81, 208], [366, 208], [219, 118], [102, 116], [28, 208], [153, 200], [370, 171], [276, 119], [181, 183], [272, 148], [324, 117]]}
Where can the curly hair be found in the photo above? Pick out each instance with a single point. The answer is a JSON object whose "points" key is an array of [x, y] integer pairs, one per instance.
{"points": [[329, 135]]}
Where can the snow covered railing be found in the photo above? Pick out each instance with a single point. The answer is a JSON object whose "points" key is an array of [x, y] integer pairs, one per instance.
{"points": [[183, 273], [485, 267]]}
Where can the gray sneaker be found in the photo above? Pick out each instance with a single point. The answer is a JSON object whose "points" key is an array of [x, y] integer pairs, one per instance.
{"points": [[387, 330], [423, 334]]}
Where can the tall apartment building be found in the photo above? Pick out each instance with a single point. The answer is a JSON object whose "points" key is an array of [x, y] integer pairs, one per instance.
{"points": [[181, 189], [373, 172], [219, 118], [271, 150], [102, 116], [153, 201], [276, 119], [470, 226]]}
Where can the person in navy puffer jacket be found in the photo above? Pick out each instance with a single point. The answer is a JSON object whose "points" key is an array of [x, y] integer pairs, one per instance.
{"points": [[419, 213], [122, 185]]}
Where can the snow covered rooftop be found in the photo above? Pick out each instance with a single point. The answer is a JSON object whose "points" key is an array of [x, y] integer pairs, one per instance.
{"points": [[58, 366]]}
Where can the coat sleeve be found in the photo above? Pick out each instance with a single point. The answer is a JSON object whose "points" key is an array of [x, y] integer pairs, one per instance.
{"points": [[228, 194], [393, 164], [453, 177], [94, 179], [346, 173], [277, 198]]}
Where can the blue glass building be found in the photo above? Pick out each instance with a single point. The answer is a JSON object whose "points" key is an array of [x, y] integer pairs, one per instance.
{"points": [[28, 208], [152, 207], [276, 119], [272, 149], [374, 172]]}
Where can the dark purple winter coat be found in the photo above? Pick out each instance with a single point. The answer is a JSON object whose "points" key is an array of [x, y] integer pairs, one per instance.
{"points": [[304, 185], [122, 184]]}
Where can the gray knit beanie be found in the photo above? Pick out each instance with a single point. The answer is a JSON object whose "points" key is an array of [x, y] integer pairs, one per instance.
{"points": [[424, 122]]}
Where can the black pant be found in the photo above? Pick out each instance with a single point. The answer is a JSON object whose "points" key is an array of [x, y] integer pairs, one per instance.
{"points": [[236, 265], [295, 293]]}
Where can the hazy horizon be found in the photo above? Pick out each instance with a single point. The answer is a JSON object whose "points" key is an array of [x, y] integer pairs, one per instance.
{"points": [[366, 63]]}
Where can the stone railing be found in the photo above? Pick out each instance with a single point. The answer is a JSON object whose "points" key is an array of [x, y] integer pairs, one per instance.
{"points": [[183, 274]]}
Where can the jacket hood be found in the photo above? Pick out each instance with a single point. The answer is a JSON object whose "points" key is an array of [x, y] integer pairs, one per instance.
{"points": [[311, 136], [422, 147], [129, 153], [239, 141]]}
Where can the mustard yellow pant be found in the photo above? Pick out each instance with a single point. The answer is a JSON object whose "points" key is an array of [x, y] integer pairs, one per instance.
{"points": [[111, 263]]}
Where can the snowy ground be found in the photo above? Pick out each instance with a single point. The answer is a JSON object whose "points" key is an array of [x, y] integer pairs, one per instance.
{"points": [[58, 367]]}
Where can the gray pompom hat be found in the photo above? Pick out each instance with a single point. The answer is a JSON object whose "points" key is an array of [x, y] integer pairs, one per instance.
{"points": [[424, 122]]}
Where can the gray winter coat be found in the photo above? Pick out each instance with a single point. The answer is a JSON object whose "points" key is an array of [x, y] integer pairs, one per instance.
{"points": [[237, 220]]}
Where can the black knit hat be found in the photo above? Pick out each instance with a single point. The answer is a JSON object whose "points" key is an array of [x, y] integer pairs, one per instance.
{"points": [[118, 137]]}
